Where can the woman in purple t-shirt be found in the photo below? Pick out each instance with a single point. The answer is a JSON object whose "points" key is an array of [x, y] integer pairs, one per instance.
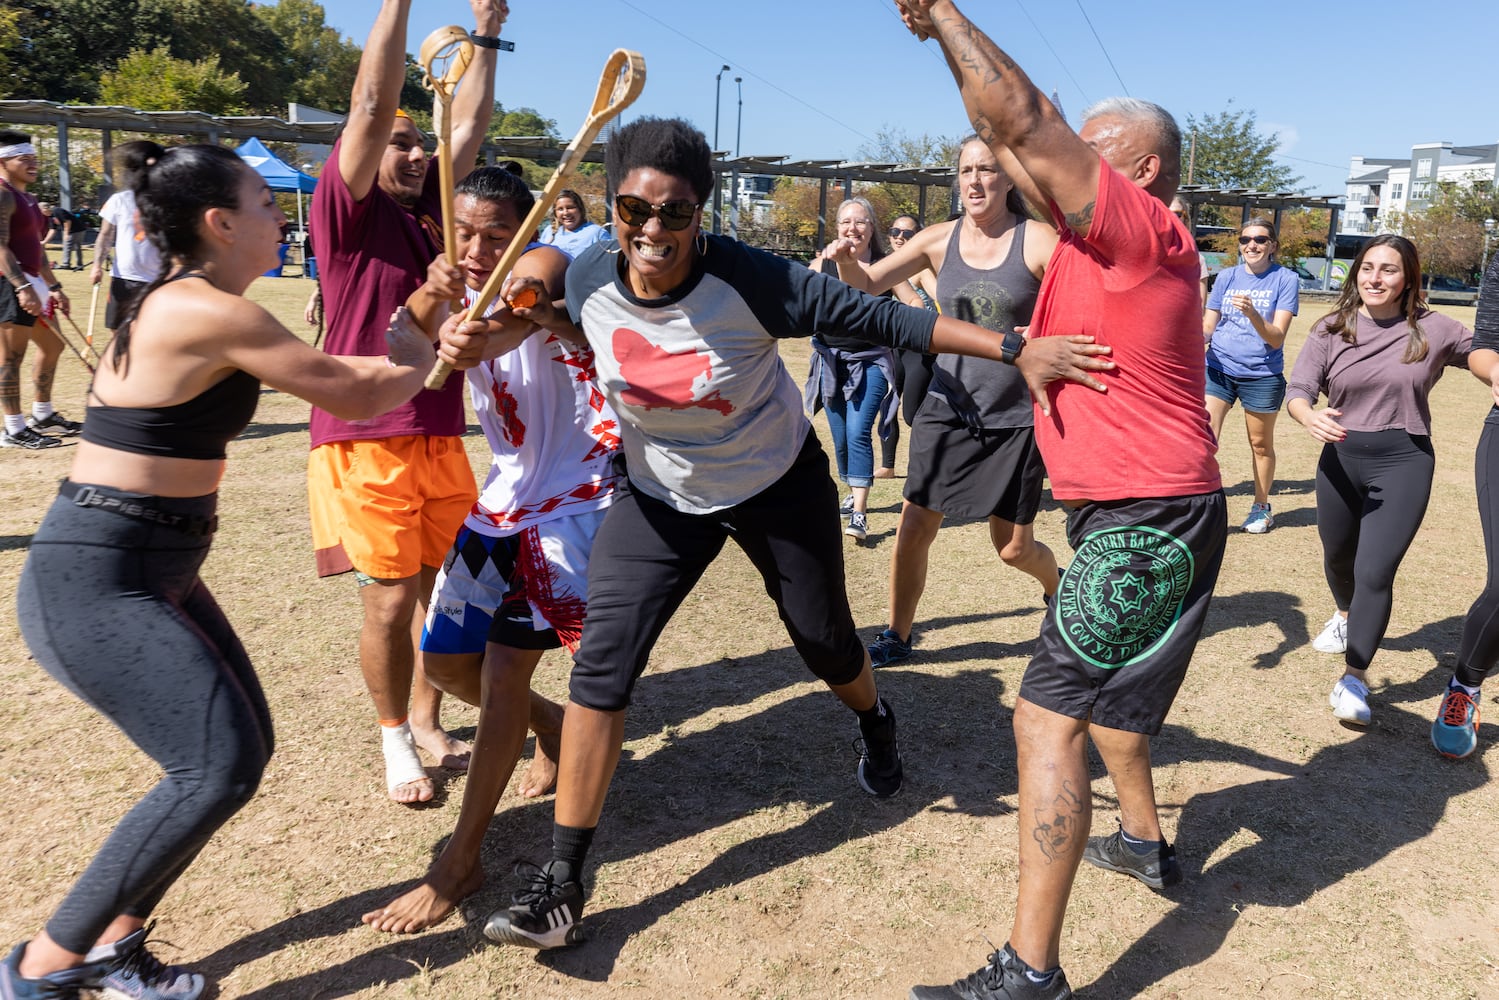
{"points": [[1376, 357]]}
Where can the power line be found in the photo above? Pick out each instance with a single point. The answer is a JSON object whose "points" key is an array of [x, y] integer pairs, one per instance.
{"points": [[1047, 42], [747, 71], [1102, 48]]}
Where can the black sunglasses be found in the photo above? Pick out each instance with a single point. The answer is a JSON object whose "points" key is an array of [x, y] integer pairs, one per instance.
{"points": [[674, 215], [901, 234], [1258, 241]]}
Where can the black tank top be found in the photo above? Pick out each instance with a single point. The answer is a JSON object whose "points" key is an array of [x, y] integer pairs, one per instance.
{"points": [[200, 428]]}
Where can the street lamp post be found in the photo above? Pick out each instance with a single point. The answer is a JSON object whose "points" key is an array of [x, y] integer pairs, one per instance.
{"points": [[717, 180], [717, 86], [739, 123]]}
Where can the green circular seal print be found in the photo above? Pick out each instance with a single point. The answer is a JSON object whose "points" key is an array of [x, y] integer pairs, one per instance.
{"points": [[1122, 594]]}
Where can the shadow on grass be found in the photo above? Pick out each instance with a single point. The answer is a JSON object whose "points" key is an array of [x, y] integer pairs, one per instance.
{"points": [[14, 543], [1346, 809], [257, 431]]}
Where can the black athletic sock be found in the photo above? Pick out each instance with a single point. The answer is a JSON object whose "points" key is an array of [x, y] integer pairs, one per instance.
{"points": [[873, 722], [570, 846]]}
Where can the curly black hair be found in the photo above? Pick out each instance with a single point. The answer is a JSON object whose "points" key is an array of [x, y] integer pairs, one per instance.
{"points": [[670, 145]]}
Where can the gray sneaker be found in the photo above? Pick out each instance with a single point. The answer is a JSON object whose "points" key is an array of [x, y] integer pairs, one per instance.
{"points": [[57, 423], [1157, 869], [125, 970], [1006, 977]]}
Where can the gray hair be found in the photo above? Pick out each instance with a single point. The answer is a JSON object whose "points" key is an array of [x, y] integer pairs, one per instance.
{"points": [[1134, 109], [876, 240]]}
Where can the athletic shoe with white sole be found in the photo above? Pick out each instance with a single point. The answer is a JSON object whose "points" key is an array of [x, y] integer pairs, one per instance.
{"points": [[1157, 868], [125, 970], [546, 914], [1350, 700], [28, 439], [1455, 731], [56, 422], [847, 506], [1259, 520], [1334, 635], [879, 771], [858, 525], [1006, 977]]}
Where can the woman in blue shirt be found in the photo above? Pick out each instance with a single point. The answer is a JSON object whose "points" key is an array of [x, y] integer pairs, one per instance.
{"points": [[1248, 314]]}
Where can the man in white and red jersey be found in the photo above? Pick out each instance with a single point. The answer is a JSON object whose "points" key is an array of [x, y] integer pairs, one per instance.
{"points": [[1148, 524], [515, 581]]}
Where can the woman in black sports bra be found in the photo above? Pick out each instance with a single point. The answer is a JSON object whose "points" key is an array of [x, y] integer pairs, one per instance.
{"points": [[110, 601]]}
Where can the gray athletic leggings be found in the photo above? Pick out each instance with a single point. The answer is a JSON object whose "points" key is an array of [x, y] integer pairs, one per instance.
{"points": [[113, 608], [1480, 647], [1372, 491]]}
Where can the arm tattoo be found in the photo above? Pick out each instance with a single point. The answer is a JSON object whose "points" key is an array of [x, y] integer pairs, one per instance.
{"points": [[8, 262], [1055, 827], [1080, 220]]}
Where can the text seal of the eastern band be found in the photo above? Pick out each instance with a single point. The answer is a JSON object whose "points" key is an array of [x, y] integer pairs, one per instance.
{"points": [[1122, 595]]}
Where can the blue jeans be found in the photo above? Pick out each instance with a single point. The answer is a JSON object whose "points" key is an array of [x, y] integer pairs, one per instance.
{"points": [[852, 421]]}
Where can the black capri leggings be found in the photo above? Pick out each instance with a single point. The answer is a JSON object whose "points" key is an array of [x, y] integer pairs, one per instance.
{"points": [[113, 608], [1372, 491], [1480, 647]]}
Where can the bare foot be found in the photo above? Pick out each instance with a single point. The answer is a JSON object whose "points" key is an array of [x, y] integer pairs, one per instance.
{"points": [[450, 753], [541, 776], [429, 903], [413, 792]]}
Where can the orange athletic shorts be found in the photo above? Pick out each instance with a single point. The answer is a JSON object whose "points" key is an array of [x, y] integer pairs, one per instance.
{"points": [[387, 507]]}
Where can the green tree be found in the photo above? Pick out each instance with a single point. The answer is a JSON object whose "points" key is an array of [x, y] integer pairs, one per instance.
{"points": [[895, 145], [156, 81], [1473, 198], [1448, 245], [10, 38], [1227, 150], [319, 64]]}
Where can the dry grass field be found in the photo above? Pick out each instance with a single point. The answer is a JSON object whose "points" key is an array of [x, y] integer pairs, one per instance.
{"points": [[737, 857]]}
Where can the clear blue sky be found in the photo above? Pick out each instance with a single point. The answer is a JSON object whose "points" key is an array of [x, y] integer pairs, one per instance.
{"points": [[822, 77]]}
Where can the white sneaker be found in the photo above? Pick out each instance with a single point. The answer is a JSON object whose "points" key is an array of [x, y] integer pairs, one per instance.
{"points": [[1334, 636], [1350, 700], [1260, 520]]}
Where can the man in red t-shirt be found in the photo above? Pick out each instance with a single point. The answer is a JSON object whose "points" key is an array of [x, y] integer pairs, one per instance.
{"points": [[1148, 525], [388, 495]]}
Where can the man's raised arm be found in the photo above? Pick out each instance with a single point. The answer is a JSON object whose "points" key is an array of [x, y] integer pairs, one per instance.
{"points": [[375, 99], [473, 104], [1010, 114]]}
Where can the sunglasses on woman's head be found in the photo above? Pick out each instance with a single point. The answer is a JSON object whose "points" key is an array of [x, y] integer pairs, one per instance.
{"points": [[1258, 241], [674, 215], [901, 234]]}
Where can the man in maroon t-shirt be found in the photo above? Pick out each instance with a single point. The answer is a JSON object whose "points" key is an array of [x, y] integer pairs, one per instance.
{"points": [[1148, 525], [388, 495], [29, 285]]}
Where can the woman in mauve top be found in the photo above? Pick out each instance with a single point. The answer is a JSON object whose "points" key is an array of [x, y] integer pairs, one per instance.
{"points": [[1375, 358]]}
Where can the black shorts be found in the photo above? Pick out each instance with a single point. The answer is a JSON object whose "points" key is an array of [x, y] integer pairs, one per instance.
{"points": [[122, 292], [1117, 639], [962, 471], [647, 557], [10, 307]]}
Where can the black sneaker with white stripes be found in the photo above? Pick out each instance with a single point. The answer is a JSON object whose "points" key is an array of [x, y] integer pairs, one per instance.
{"points": [[546, 914], [55, 423], [28, 439]]}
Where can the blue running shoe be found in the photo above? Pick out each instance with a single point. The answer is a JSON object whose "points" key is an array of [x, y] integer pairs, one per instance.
{"points": [[1455, 731]]}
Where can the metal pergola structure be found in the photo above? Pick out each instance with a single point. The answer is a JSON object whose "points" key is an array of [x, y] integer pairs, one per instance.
{"points": [[107, 120]]}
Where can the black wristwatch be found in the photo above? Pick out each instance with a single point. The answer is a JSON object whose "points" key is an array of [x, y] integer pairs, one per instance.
{"points": [[55, 288], [1010, 347], [491, 42]]}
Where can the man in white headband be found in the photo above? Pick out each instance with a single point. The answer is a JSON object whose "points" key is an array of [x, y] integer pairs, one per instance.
{"points": [[28, 290]]}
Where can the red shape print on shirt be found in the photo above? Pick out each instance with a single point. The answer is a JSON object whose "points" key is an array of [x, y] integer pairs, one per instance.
{"points": [[659, 380]]}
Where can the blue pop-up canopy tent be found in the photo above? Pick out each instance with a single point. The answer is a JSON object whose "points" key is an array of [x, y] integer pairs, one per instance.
{"points": [[278, 174]]}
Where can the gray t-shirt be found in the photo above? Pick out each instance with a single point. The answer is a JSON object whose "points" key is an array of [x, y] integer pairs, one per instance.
{"points": [[1368, 382], [709, 415], [984, 393]]}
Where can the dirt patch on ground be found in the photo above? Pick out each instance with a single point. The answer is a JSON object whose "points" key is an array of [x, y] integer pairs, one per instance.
{"points": [[737, 858]]}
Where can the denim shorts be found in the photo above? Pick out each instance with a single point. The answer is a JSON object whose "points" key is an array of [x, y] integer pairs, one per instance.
{"points": [[1262, 394]]}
